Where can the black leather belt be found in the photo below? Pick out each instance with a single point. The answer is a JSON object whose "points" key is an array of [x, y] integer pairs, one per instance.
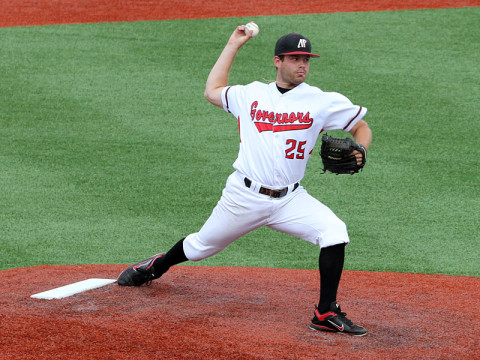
{"points": [[269, 192]]}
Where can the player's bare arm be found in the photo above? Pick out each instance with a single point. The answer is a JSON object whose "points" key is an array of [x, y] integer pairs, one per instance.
{"points": [[218, 77], [363, 136]]}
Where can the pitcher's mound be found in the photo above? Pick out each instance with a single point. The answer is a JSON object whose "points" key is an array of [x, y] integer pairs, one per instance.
{"points": [[235, 313]]}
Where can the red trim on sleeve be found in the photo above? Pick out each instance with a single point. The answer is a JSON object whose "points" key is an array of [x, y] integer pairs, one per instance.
{"points": [[358, 113], [226, 99]]}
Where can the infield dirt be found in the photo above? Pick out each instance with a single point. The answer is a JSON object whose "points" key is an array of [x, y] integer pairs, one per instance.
{"points": [[235, 313], [44, 12]]}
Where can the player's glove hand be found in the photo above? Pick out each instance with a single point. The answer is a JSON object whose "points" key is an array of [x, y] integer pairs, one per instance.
{"points": [[337, 155]]}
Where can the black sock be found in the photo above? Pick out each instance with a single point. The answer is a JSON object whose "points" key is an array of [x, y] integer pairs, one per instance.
{"points": [[330, 265], [174, 256]]}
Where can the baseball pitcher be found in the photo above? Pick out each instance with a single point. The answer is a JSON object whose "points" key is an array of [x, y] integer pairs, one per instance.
{"points": [[279, 124]]}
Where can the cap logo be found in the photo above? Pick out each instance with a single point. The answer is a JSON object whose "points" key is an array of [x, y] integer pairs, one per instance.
{"points": [[292, 44], [302, 43]]}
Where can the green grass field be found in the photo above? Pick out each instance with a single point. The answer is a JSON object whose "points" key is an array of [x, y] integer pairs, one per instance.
{"points": [[110, 153]]}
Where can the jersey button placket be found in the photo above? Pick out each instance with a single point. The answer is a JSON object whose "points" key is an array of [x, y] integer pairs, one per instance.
{"points": [[278, 156], [279, 145]]}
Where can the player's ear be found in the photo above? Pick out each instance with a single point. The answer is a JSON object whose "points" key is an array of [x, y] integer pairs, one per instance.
{"points": [[276, 61]]}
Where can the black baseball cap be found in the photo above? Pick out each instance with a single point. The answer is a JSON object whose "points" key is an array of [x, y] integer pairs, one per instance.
{"points": [[294, 44]]}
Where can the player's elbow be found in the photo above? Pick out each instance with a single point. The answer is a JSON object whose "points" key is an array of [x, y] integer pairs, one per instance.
{"points": [[214, 96], [206, 95]]}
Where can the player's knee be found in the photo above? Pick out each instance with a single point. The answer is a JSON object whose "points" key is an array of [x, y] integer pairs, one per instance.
{"points": [[195, 250], [336, 234]]}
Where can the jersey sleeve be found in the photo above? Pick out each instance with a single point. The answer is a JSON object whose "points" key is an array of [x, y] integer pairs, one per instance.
{"points": [[232, 96], [341, 114]]}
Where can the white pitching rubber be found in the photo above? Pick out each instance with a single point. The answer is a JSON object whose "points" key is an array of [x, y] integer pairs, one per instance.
{"points": [[72, 289]]}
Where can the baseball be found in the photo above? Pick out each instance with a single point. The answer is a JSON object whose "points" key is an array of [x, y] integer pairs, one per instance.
{"points": [[252, 26]]}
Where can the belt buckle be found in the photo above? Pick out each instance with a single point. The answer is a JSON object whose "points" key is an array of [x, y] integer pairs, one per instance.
{"points": [[273, 193], [265, 191], [283, 192], [270, 192]]}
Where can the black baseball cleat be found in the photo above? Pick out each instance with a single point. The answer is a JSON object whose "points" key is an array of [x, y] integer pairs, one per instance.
{"points": [[335, 321], [139, 273]]}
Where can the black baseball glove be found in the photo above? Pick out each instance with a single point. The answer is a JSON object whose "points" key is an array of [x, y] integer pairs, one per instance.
{"points": [[337, 155]]}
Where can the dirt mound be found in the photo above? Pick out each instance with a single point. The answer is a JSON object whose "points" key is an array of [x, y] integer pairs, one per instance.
{"points": [[235, 313]]}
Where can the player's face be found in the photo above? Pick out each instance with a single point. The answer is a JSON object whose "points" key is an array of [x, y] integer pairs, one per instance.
{"points": [[292, 71]]}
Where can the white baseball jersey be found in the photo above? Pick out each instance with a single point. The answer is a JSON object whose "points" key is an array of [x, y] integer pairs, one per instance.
{"points": [[278, 131]]}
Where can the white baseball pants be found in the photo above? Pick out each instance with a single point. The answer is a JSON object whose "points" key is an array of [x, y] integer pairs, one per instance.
{"points": [[242, 209]]}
